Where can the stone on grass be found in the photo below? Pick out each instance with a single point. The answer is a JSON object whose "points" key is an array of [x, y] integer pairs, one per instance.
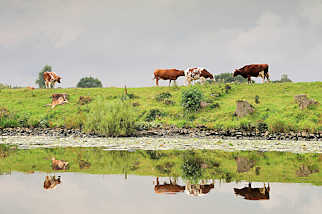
{"points": [[304, 102], [203, 104], [244, 108], [84, 100]]}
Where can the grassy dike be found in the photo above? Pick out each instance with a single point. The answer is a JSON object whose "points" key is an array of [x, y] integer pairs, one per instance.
{"points": [[190, 165], [277, 110]]}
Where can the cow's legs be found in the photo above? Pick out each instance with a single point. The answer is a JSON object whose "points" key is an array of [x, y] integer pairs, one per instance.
{"points": [[157, 81], [262, 75], [169, 83], [249, 80], [175, 82], [267, 77]]}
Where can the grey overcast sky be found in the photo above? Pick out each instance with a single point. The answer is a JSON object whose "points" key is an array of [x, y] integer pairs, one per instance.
{"points": [[124, 41]]}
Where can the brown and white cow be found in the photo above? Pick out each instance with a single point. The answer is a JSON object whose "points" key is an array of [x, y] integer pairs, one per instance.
{"points": [[51, 182], [51, 78], [250, 193], [197, 73], [253, 70], [167, 74]]}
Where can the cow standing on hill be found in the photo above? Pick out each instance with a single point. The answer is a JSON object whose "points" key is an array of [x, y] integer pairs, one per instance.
{"points": [[167, 74], [51, 78], [254, 70], [197, 73]]}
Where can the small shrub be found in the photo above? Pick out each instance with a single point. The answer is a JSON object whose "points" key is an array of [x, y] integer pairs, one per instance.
{"points": [[227, 88], [75, 121], [8, 119], [113, 119], [257, 99], [191, 99], [135, 104], [214, 105], [168, 102], [163, 96], [153, 114]]}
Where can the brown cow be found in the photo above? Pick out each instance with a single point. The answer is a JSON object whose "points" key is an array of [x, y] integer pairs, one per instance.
{"points": [[167, 74], [166, 188], [51, 182], [250, 193], [51, 78], [254, 70]]}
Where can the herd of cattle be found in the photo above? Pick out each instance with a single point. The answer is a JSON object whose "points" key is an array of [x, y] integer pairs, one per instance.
{"points": [[190, 74]]}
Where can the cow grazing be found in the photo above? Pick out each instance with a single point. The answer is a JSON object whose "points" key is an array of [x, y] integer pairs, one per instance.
{"points": [[51, 78], [197, 73], [250, 193], [254, 70], [51, 182], [167, 74]]}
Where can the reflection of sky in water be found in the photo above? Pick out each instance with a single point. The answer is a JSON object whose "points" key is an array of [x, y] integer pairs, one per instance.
{"points": [[84, 193]]}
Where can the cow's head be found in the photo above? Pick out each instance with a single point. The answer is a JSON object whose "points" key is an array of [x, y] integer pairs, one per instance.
{"points": [[58, 79], [236, 72]]}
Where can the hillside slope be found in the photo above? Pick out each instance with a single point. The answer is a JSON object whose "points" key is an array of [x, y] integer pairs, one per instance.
{"points": [[277, 110]]}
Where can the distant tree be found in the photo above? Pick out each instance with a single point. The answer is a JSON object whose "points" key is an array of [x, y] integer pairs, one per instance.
{"points": [[228, 78], [2, 86], [89, 82], [40, 81], [284, 78]]}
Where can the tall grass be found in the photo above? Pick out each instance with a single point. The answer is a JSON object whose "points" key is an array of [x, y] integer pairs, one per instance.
{"points": [[111, 118]]}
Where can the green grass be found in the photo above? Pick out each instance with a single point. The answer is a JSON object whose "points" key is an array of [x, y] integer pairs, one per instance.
{"points": [[190, 165], [277, 109]]}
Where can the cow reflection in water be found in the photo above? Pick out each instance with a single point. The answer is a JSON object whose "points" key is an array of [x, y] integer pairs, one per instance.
{"points": [[168, 188], [51, 182], [190, 189], [199, 189], [250, 193]]}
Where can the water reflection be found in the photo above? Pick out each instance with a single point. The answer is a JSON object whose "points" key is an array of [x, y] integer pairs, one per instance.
{"points": [[250, 193], [51, 182], [83, 193], [193, 189]]}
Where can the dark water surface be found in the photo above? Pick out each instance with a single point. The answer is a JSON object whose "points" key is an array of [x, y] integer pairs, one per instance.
{"points": [[85, 193]]}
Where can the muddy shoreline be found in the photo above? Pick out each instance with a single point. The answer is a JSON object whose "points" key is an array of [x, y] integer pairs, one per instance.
{"points": [[235, 134]]}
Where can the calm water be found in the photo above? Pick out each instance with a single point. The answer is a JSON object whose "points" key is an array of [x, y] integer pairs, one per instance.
{"points": [[84, 193], [208, 181]]}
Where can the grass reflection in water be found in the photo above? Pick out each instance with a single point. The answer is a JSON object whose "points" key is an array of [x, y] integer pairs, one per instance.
{"points": [[192, 166]]}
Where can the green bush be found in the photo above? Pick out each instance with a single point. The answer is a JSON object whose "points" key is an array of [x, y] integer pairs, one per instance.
{"points": [[191, 98], [153, 114], [162, 96], [115, 118]]}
